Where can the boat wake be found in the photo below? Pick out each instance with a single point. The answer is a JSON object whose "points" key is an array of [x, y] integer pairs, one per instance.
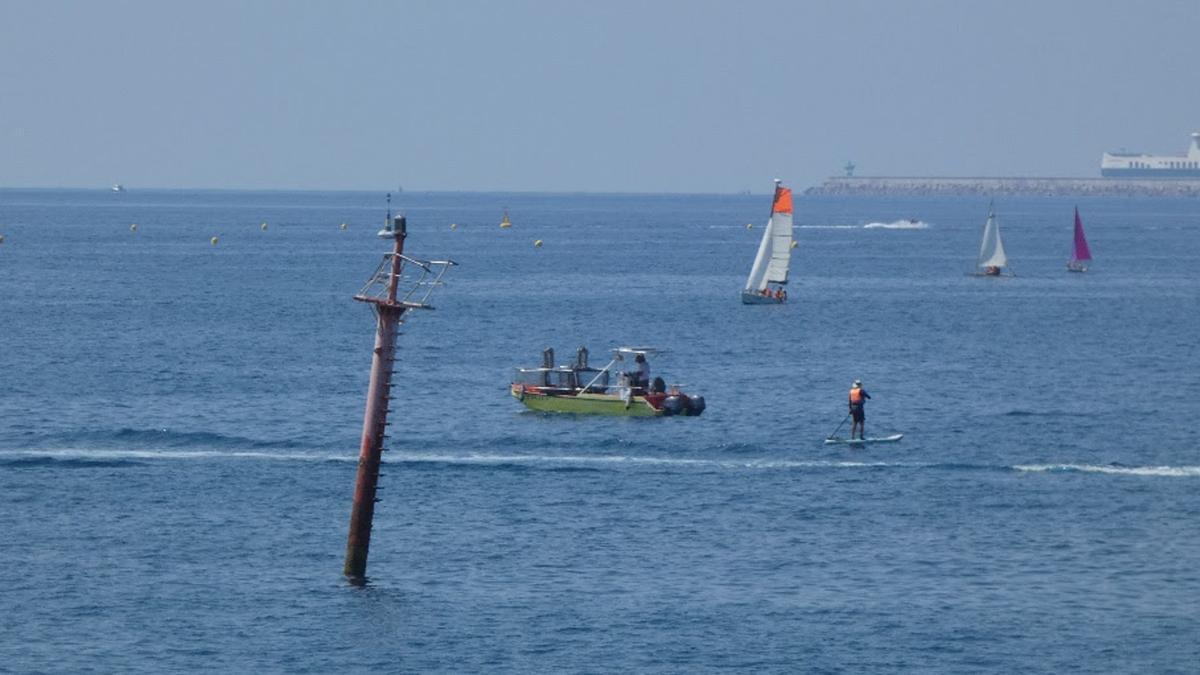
{"points": [[898, 225], [875, 225], [74, 457], [1172, 471], [104, 457]]}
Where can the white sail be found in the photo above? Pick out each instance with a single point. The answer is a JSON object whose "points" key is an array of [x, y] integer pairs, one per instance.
{"points": [[775, 249], [781, 248], [991, 250], [758, 272]]}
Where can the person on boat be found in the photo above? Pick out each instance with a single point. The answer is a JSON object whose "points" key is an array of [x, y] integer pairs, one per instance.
{"points": [[858, 399], [992, 271], [641, 378]]}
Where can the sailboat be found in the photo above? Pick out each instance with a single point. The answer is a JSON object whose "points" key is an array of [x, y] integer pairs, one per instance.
{"points": [[1082, 255], [774, 254], [505, 223], [992, 260]]}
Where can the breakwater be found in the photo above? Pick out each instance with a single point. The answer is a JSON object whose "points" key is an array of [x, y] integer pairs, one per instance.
{"points": [[884, 185]]}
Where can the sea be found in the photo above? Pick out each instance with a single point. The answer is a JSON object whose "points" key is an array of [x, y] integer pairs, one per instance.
{"points": [[180, 419]]}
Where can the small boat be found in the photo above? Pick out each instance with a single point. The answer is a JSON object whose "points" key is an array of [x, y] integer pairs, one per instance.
{"points": [[505, 223], [774, 254], [118, 188], [1082, 255], [581, 389], [992, 260]]}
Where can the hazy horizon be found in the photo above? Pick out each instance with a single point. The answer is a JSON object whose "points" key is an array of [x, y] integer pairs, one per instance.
{"points": [[572, 97]]}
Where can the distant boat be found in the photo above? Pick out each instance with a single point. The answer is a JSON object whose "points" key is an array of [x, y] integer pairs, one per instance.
{"points": [[505, 222], [1082, 255], [774, 254], [118, 188], [585, 390], [992, 260]]}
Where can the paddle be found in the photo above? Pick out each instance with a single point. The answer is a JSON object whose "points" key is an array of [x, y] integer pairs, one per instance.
{"points": [[839, 426]]}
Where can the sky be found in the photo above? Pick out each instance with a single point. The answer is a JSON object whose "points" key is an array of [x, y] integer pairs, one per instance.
{"points": [[611, 96]]}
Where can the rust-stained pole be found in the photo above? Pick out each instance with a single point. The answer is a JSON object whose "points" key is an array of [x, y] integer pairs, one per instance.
{"points": [[388, 313]]}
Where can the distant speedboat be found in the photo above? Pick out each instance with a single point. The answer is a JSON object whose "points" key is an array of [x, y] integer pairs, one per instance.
{"points": [[118, 188]]}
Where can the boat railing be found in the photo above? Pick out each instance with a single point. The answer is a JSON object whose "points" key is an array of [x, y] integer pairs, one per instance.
{"points": [[415, 282]]}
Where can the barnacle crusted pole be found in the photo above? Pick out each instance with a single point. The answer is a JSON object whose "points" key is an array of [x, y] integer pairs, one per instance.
{"points": [[382, 292]]}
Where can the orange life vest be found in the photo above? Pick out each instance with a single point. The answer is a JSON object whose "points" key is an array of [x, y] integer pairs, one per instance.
{"points": [[856, 396]]}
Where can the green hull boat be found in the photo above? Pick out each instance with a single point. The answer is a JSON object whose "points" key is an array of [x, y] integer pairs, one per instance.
{"points": [[583, 390]]}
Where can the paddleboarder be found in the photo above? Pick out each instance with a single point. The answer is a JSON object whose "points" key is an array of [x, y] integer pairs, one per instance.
{"points": [[858, 398]]}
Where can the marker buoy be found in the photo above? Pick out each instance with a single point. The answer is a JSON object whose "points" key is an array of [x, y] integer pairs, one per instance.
{"points": [[1, 239], [342, 226], [537, 243], [133, 227], [749, 226], [454, 226], [795, 243], [263, 227], [213, 241]]}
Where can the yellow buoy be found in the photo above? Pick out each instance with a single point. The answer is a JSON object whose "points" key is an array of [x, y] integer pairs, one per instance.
{"points": [[537, 243], [213, 241], [749, 226], [133, 227], [454, 226], [263, 227], [342, 226]]}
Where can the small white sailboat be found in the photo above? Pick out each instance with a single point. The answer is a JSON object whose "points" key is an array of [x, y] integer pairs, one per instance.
{"points": [[774, 254], [992, 260], [1081, 255]]}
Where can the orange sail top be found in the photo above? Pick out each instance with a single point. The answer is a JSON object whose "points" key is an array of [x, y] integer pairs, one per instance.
{"points": [[783, 201]]}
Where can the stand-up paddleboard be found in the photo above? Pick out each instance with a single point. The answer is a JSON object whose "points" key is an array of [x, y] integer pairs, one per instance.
{"points": [[863, 441]]}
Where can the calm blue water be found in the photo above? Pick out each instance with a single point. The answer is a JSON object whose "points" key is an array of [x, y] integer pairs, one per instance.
{"points": [[179, 425]]}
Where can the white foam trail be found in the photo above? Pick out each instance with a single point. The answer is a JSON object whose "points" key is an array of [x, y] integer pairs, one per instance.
{"points": [[72, 453], [894, 225], [631, 461], [1172, 471], [611, 460], [899, 225], [402, 457]]}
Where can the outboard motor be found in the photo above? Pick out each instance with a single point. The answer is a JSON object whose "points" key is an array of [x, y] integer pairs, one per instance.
{"points": [[696, 406], [581, 355], [548, 357], [673, 405]]}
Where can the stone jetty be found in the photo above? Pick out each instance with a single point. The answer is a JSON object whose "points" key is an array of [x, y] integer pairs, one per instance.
{"points": [[1100, 187]]}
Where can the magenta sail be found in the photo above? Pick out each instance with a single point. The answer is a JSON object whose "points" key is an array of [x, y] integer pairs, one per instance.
{"points": [[1082, 253]]}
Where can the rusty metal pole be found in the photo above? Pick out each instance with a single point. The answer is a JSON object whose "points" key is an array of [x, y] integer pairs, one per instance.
{"points": [[388, 313]]}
